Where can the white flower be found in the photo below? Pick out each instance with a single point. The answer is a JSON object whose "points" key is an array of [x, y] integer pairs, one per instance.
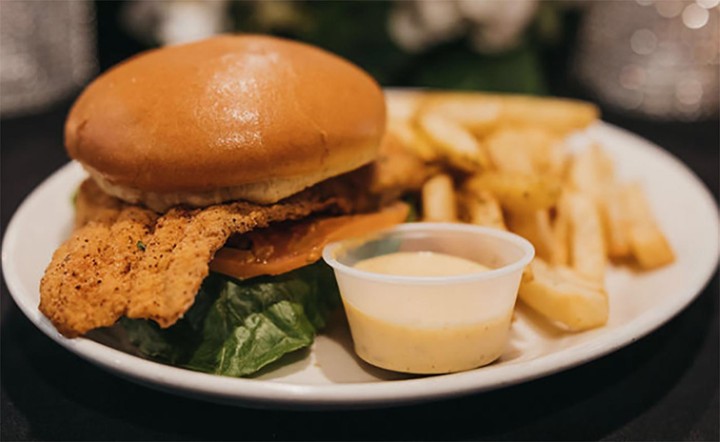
{"points": [[173, 22], [492, 25]]}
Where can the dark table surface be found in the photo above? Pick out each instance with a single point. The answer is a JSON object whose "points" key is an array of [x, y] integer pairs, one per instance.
{"points": [[662, 387]]}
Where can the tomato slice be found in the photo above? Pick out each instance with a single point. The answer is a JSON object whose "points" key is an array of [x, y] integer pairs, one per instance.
{"points": [[282, 248]]}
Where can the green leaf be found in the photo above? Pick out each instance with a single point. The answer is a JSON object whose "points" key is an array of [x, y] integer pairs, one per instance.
{"points": [[261, 339], [176, 344], [237, 327], [413, 201]]}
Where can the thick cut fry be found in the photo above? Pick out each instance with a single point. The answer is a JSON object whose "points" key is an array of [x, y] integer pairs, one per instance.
{"points": [[558, 115], [508, 153], [412, 140], [527, 275], [438, 199], [560, 251], [403, 105], [474, 112], [648, 244], [587, 244], [554, 114], [559, 160], [454, 143], [519, 192], [535, 227], [402, 108], [525, 150], [481, 208], [397, 170], [564, 297], [616, 222], [592, 171]]}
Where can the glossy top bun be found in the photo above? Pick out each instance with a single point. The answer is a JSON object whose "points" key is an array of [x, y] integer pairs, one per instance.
{"points": [[232, 117]]}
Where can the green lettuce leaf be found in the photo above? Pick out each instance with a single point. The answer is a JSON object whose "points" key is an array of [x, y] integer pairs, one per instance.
{"points": [[235, 328]]}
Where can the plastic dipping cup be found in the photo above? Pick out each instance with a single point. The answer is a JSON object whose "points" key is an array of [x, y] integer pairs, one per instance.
{"points": [[431, 324]]}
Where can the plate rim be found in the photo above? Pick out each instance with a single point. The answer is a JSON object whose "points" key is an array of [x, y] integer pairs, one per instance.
{"points": [[278, 394]]}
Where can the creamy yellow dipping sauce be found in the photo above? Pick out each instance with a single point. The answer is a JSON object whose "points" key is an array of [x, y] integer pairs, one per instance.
{"points": [[424, 347], [430, 350], [420, 264]]}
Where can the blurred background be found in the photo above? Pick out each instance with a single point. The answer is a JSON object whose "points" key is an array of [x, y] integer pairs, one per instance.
{"points": [[652, 67], [652, 59]]}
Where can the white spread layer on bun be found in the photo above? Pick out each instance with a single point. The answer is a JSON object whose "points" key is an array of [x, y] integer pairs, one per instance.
{"points": [[263, 192]]}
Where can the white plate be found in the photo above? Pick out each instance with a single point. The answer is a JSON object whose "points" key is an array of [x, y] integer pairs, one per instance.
{"points": [[329, 375]]}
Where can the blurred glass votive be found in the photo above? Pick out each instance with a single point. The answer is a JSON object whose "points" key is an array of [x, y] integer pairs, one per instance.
{"points": [[47, 50], [656, 59]]}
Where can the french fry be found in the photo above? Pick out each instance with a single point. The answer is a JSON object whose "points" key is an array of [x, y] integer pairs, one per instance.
{"points": [[519, 192], [527, 275], [438, 199], [560, 250], [554, 114], [402, 108], [647, 242], [524, 150], [507, 152], [558, 161], [481, 208], [592, 171], [587, 244], [559, 115], [564, 297], [397, 169], [454, 143], [403, 105], [535, 227], [615, 219], [412, 140], [473, 111]]}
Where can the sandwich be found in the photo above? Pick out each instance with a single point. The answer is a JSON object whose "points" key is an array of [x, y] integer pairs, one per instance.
{"points": [[217, 171]]}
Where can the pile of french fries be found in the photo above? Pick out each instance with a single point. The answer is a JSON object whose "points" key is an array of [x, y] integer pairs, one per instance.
{"points": [[502, 161]]}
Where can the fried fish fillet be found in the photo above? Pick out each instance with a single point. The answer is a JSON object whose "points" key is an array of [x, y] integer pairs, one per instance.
{"points": [[125, 260]]}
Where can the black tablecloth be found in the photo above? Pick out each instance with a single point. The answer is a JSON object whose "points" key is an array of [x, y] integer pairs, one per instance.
{"points": [[664, 386]]}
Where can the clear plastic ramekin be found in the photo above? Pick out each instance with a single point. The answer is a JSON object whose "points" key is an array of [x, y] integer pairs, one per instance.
{"points": [[431, 324]]}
